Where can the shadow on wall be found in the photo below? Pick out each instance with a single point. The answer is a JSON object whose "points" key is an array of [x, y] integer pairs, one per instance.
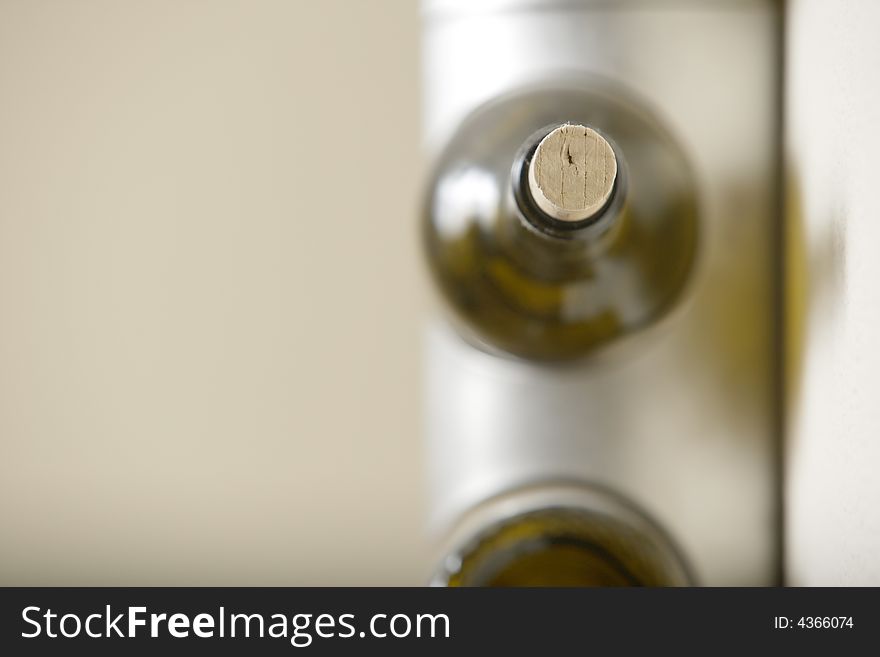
{"points": [[814, 283]]}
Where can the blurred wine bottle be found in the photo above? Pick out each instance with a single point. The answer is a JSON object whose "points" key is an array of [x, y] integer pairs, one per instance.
{"points": [[560, 535], [559, 218]]}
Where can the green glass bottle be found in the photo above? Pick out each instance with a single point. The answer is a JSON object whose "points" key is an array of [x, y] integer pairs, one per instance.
{"points": [[559, 218], [560, 535]]}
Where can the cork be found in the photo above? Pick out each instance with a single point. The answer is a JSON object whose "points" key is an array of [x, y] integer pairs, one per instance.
{"points": [[572, 173]]}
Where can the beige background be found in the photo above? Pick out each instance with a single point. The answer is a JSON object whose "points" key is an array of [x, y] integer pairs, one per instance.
{"points": [[209, 301]]}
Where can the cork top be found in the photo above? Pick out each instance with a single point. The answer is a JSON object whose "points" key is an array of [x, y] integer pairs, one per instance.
{"points": [[572, 173]]}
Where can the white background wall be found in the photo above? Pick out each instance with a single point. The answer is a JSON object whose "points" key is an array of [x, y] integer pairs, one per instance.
{"points": [[833, 231], [209, 354]]}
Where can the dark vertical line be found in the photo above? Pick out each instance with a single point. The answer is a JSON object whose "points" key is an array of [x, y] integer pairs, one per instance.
{"points": [[587, 169], [778, 313]]}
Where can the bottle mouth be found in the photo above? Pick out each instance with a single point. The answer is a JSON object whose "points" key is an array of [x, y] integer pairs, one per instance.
{"points": [[563, 536], [538, 188]]}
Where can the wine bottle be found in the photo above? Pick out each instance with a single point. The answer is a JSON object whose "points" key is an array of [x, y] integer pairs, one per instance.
{"points": [[560, 535], [560, 218]]}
